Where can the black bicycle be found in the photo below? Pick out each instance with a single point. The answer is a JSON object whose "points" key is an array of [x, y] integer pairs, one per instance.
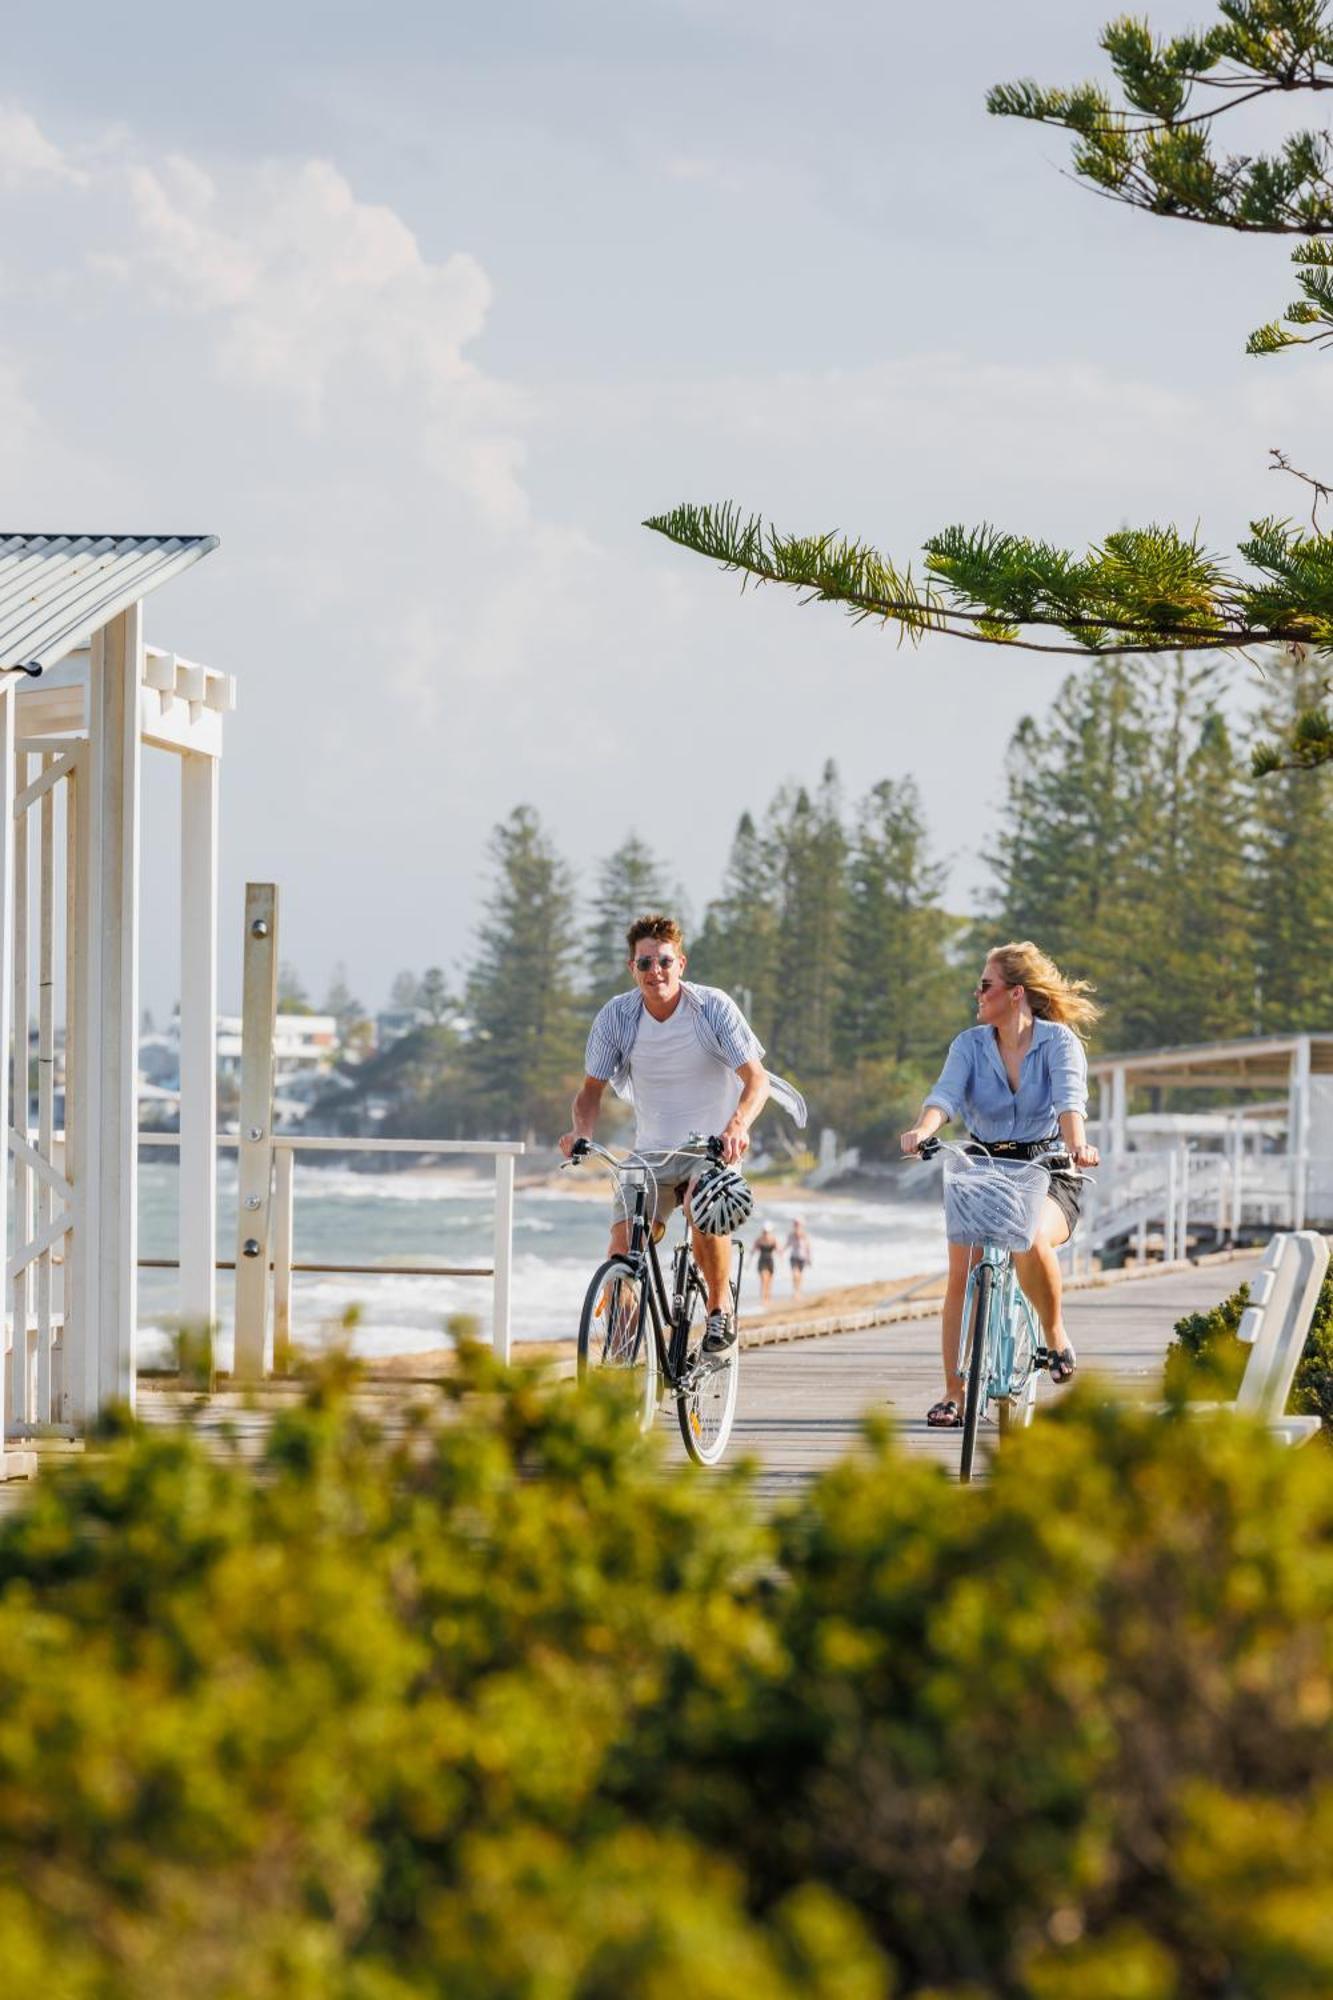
{"points": [[631, 1322]]}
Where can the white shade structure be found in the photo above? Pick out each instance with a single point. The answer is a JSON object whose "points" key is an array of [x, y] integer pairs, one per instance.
{"points": [[81, 695]]}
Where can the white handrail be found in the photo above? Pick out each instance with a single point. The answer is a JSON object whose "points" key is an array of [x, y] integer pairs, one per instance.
{"points": [[502, 1151]]}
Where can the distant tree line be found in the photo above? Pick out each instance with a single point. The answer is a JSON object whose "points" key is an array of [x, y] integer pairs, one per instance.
{"points": [[1132, 842]]}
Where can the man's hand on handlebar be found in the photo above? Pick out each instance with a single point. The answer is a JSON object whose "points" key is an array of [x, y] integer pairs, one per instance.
{"points": [[573, 1145], [735, 1140]]}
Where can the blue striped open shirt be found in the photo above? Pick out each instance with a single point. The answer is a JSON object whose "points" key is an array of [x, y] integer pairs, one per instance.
{"points": [[974, 1084], [721, 1027]]}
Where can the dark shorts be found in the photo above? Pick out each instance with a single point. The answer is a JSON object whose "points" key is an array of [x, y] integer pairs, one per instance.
{"points": [[1067, 1194], [766, 1262]]}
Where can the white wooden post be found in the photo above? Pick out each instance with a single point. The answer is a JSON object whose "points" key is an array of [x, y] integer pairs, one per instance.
{"points": [[46, 1051], [1119, 1135], [21, 1383], [1169, 1220], [255, 1168], [284, 1230], [13, 1464], [501, 1335], [198, 1040], [1298, 1127], [103, 1246]]}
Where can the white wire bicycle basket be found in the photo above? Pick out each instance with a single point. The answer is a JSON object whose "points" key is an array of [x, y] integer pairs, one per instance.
{"points": [[992, 1201]]}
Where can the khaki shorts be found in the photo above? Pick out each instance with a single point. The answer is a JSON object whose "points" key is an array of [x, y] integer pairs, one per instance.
{"points": [[672, 1173]]}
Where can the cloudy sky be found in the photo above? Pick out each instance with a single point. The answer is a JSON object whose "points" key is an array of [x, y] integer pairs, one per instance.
{"points": [[423, 308]]}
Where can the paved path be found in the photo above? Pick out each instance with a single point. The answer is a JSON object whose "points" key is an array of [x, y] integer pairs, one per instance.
{"points": [[800, 1402]]}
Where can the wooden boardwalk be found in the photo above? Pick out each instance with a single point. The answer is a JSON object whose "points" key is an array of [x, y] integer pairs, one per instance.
{"points": [[800, 1402]]}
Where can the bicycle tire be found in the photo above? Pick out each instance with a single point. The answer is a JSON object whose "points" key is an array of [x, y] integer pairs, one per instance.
{"points": [[976, 1370], [707, 1411], [616, 1332]]}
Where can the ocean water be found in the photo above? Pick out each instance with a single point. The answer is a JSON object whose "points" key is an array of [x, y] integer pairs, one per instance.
{"points": [[431, 1217]]}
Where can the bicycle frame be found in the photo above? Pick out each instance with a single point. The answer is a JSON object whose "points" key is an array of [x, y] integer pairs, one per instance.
{"points": [[1008, 1380], [642, 1255]]}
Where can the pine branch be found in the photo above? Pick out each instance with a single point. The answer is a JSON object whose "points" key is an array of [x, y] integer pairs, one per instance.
{"points": [[1141, 592], [1155, 149]]}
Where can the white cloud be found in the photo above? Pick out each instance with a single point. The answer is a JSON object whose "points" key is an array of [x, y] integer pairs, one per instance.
{"points": [[327, 301], [28, 157]]}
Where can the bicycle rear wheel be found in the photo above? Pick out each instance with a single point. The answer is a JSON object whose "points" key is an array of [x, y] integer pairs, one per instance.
{"points": [[706, 1405], [978, 1367], [616, 1332]]}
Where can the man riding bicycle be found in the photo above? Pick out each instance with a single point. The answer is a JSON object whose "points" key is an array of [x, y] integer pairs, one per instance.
{"points": [[688, 1060]]}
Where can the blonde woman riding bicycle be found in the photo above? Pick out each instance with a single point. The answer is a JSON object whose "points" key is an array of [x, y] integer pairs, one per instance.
{"points": [[1019, 1080]]}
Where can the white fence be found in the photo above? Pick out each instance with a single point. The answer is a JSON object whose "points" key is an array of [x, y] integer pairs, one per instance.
{"points": [[284, 1263], [1163, 1194]]}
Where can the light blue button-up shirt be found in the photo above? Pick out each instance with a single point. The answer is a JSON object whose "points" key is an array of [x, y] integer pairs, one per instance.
{"points": [[974, 1084]]}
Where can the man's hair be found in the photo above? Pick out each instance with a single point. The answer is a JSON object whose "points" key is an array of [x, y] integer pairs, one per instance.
{"points": [[663, 930]]}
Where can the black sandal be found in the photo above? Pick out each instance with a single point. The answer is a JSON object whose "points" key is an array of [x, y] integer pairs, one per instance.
{"points": [[1062, 1364], [945, 1415]]}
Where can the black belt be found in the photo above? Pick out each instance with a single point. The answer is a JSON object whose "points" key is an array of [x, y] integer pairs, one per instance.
{"points": [[1018, 1149]]}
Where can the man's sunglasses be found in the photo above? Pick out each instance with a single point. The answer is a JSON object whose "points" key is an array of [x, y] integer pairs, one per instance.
{"points": [[664, 961]]}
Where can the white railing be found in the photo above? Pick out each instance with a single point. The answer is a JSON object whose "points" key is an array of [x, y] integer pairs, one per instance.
{"points": [[283, 1261], [1135, 1194]]}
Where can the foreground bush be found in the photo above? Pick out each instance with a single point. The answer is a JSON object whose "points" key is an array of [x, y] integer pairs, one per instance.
{"points": [[506, 1710], [1206, 1359]]}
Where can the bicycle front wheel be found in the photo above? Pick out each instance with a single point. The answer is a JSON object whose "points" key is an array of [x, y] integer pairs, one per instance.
{"points": [[706, 1404], [616, 1332], [978, 1367]]}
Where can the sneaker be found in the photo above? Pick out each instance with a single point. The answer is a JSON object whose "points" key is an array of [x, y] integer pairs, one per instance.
{"points": [[719, 1332]]}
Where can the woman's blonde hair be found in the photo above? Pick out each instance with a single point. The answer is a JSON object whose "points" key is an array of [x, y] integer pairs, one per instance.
{"points": [[1051, 996]]}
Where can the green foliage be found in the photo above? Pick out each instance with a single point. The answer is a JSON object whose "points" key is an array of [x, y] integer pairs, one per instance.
{"points": [[1150, 590], [630, 883], [1156, 151], [1125, 848], [1207, 1360], [1293, 866], [830, 934], [500, 1711], [1314, 274], [1142, 590], [523, 1052]]}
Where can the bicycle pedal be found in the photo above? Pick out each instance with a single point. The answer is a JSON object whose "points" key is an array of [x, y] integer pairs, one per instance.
{"points": [[1043, 1357]]}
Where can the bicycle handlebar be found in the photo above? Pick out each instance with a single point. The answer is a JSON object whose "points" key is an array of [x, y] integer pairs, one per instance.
{"points": [[707, 1147]]}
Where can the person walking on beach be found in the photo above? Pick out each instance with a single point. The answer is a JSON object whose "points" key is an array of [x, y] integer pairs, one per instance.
{"points": [[765, 1248], [688, 1060], [1020, 1081], [798, 1254]]}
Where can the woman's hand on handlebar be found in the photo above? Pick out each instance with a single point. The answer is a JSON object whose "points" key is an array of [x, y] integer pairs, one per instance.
{"points": [[911, 1141], [1086, 1156]]}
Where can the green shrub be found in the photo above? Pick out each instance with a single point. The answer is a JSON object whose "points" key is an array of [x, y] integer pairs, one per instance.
{"points": [[1206, 1360], [503, 1710]]}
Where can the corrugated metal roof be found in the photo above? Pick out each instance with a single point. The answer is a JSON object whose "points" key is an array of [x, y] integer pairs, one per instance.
{"points": [[56, 590]]}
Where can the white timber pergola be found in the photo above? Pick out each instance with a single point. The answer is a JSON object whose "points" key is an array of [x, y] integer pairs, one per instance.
{"points": [[81, 696], [1295, 1069]]}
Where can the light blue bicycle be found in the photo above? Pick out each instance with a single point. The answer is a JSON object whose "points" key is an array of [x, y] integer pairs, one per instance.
{"points": [[995, 1205]]}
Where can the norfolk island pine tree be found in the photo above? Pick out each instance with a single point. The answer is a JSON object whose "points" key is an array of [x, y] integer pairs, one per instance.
{"points": [[1151, 590]]}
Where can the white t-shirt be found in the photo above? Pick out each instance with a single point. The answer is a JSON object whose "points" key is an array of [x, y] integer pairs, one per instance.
{"points": [[678, 1087]]}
